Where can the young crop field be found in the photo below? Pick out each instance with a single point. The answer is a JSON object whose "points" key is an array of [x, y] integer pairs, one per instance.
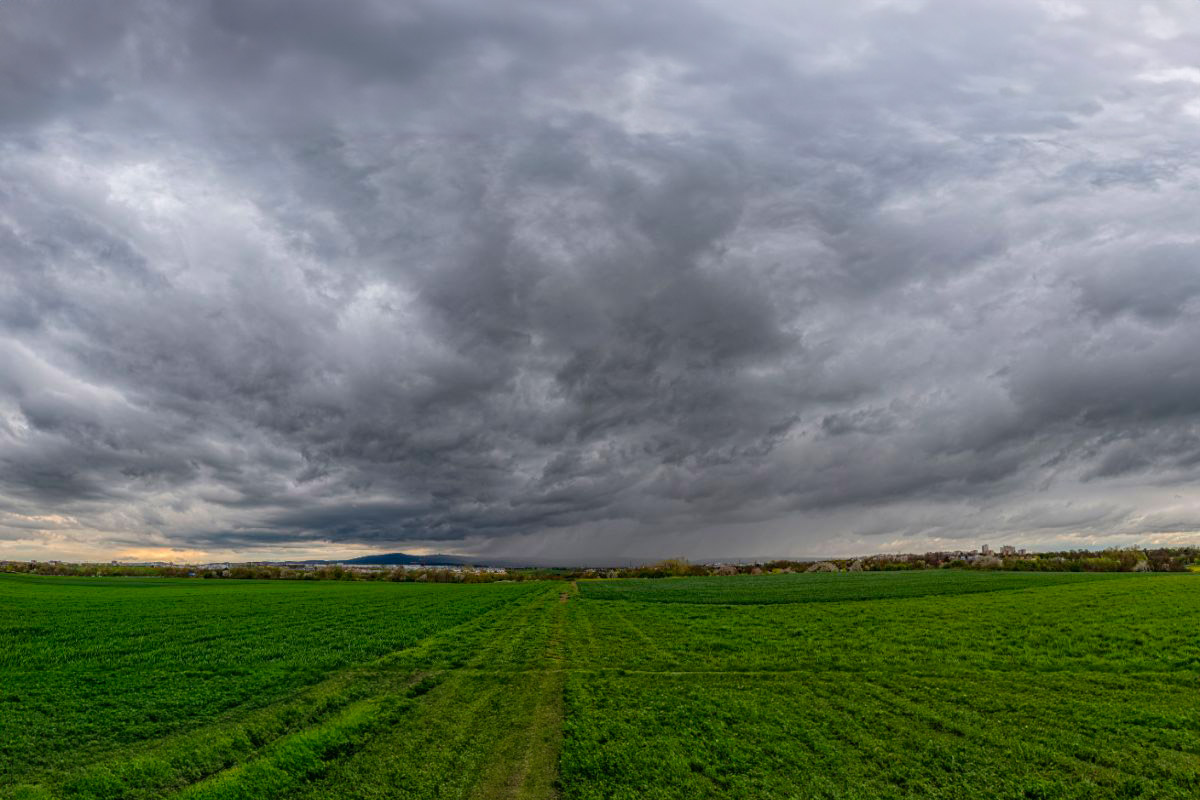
{"points": [[820, 587], [875, 685]]}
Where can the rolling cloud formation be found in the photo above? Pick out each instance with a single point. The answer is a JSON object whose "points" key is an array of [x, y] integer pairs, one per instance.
{"points": [[597, 278]]}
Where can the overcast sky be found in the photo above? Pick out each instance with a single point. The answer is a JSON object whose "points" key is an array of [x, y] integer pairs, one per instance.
{"points": [[597, 279]]}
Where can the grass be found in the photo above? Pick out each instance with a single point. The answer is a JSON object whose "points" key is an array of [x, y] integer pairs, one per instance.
{"points": [[1083, 689], [133, 688], [827, 587], [900, 685]]}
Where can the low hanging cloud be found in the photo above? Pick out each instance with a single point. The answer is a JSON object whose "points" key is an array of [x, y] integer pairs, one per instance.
{"points": [[597, 279]]}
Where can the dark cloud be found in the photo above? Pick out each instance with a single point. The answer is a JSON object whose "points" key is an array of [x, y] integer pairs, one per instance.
{"points": [[1156, 282], [596, 279]]}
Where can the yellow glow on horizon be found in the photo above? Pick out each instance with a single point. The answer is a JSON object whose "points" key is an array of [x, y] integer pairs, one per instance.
{"points": [[163, 554]]}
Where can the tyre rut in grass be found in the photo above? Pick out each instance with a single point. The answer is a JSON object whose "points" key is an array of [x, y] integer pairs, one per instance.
{"points": [[323, 721]]}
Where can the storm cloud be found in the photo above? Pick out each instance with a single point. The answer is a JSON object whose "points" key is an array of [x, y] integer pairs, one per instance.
{"points": [[597, 279]]}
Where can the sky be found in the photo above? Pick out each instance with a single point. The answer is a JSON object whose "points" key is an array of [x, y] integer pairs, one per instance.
{"points": [[597, 279]]}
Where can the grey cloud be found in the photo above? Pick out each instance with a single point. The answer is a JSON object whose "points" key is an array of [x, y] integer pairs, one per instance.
{"points": [[602, 277], [1155, 283]]}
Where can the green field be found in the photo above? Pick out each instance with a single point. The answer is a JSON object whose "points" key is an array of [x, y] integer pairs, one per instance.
{"points": [[875, 685], [826, 587]]}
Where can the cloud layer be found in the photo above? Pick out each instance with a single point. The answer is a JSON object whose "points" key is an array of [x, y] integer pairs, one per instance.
{"points": [[597, 279]]}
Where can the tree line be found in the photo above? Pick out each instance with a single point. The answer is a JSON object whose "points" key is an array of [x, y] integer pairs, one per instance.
{"points": [[261, 572], [1163, 559]]}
